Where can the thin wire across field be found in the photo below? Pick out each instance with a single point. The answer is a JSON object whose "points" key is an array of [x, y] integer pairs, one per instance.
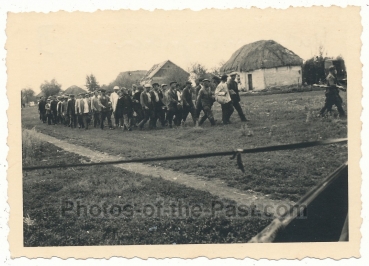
{"points": [[237, 152]]}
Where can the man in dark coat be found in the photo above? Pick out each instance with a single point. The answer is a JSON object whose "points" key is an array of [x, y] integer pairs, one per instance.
{"points": [[41, 109], [137, 108], [105, 109], [206, 98], [147, 107], [187, 103], [157, 103], [123, 109], [173, 104], [54, 109], [71, 111], [233, 90]]}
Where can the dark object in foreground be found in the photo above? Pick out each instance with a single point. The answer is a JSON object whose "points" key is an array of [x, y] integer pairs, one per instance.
{"points": [[325, 214]]}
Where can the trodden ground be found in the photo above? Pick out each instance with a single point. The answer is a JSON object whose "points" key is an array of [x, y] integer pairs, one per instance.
{"points": [[274, 119]]}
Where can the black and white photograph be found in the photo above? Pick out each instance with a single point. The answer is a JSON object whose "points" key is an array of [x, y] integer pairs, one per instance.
{"points": [[181, 128]]}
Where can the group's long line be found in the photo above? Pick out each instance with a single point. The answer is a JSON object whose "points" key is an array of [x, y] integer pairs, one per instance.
{"points": [[200, 155]]}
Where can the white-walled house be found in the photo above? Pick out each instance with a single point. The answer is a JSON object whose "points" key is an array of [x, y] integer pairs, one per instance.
{"points": [[265, 64]]}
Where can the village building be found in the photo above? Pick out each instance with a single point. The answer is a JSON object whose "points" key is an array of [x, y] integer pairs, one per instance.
{"points": [[160, 72], [265, 64]]}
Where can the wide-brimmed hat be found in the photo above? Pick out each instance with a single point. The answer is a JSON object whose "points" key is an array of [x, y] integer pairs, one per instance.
{"points": [[233, 74]]}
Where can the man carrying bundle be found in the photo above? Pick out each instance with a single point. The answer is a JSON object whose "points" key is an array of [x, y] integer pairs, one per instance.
{"points": [[223, 97]]}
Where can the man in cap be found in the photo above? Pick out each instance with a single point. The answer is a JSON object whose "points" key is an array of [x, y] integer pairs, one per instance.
{"points": [[147, 107], [157, 102], [64, 107], [332, 94], [223, 97], [41, 109], [206, 98], [96, 109], [84, 109], [114, 99], [197, 87], [124, 109], [59, 109], [78, 110], [71, 111], [136, 105], [187, 103], [48, 111], [173, 104], [104, 103], [54, 109], [233, 90]]}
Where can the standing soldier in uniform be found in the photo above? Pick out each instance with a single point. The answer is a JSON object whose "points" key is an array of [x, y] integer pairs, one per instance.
{"points": [[233, 90], [332, 94], [223, 97], [206, 98], [187, 103], [54, 109], [48, 110], [105, 110]]}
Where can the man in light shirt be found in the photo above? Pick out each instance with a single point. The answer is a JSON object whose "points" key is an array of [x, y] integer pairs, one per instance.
{"points": [[223, 97], [78, 110], [114, 100], [85, 109]]}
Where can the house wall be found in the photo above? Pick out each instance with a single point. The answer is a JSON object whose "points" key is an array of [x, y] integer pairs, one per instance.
{"points": [[257, 79], [282, 76]]}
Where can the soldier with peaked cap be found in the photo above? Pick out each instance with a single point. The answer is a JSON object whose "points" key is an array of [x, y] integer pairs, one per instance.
{"points": [[114, 99], [332, 94], [223, 97], [71, 111], [147, 107], [173, 104], [233, 90], [105, 105], [206, 98], [187, 103]]}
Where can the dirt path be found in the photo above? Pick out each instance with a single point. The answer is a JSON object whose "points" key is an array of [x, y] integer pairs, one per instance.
{"points": [[215, 187]]}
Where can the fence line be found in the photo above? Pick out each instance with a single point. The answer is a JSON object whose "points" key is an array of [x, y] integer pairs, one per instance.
{"points": [[234, 153]]}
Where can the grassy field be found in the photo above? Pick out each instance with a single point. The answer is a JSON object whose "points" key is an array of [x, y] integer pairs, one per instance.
{"points": [[274, 119], [50, 220]]}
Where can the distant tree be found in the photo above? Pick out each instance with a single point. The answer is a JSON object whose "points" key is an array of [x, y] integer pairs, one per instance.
{"points": [[313, 69], [28, 95], [50, 88], [91, 83], [197, 70], [216, 70]]}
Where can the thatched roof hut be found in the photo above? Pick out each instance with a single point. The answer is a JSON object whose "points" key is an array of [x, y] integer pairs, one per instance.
{"points": [[260, 55]]}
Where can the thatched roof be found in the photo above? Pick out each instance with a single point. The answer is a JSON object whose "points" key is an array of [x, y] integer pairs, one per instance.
{"points": [[260, 54], [155, 69], [74, 90]]}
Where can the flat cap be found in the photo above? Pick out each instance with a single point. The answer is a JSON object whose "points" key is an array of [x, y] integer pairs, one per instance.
{"points": [[172, 82]]}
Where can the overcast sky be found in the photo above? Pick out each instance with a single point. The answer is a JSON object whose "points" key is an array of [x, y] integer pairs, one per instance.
{"points": [[68, 46]]}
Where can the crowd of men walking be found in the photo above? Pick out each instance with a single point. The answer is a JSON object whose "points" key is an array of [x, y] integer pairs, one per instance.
{"points": [[152, 103]]}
